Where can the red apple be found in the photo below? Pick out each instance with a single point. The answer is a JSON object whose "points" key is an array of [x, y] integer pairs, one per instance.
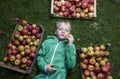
{"points": [[28, 40], [14, 52], [59, 4], [66, 13], [92, 73], [10, 45], [91, 1], [84, 4], [96, 48], [97, 69], [63, 8], [23, 22], [23, 42], [33, 38], [78, 10], [24, 31], [91, 9], [83, 66], [78, 4], [16, 34], [92, 61], [93, 77], [74, 15], [90, 67], [86, 73], [27, 51], [9, 51], [101, 54], [18, 56], [108, 65], [34, 31], [29, 27], [16, 42], [85, 61], [29, 62], [32, 55], [68, 4], [14, 47], [100, 76], [72, 8], [106, 53], [38, 35], [24, 60], [56, 9], [104, 69]]}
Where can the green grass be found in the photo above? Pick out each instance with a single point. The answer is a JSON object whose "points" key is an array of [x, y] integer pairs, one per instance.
{"points": [[101, 30]]}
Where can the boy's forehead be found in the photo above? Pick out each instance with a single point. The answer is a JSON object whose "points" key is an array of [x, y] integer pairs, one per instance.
{"points": [[63, 25]]}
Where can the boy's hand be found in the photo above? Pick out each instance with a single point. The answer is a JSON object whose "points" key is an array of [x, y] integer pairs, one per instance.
{"points": [[70, 39], [49, 68]]}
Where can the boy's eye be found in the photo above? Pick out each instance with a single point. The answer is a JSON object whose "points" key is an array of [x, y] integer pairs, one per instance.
{"points": [[64, 29], [60, 29]]}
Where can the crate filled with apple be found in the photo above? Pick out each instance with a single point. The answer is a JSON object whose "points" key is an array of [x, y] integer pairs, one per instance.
{"points": [[23, 47], [94, 62], [85, 9]]}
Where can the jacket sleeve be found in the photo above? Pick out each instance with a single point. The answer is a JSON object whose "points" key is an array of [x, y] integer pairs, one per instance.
{"points": [[41, 57], [70, 56]]}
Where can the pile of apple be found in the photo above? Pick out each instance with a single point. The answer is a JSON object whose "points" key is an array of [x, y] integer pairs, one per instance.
{"points": [[21, 50], [95, 63], [74, 8]]}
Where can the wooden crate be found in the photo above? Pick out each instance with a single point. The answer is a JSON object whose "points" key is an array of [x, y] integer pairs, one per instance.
{"points": [[58, 9], [94, 62], [6, 63]]}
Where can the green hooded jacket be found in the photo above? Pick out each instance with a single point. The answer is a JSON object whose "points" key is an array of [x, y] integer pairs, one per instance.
{"points": [[56, 52]]}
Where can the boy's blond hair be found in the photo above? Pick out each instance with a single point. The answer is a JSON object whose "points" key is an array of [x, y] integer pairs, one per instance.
{"points": [[66, 22]]}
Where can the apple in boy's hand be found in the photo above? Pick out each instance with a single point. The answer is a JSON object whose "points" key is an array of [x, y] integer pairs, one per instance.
{"points": [[70, 38]]}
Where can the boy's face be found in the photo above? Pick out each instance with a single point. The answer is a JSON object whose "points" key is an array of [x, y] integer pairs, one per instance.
{"points": [[62, 31]]}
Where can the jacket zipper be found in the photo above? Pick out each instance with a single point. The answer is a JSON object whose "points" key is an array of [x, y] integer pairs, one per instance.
{"points": [[53, 56], [59, 76]]}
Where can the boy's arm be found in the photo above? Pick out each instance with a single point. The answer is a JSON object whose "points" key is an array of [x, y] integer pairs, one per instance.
{"points": [[70, 56], [41, 58]]}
